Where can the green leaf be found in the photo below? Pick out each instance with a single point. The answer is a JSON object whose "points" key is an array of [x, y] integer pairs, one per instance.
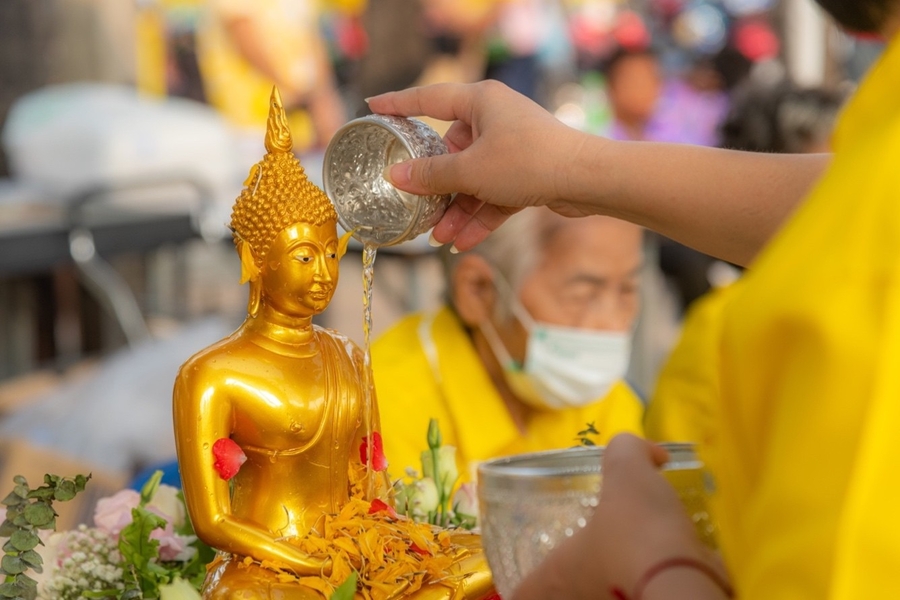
{"points": [[346, 590], [42, 493], [24, 540], [65, 490], [33, 560], [100, 594], [12, 565], [81, 481], [19, 480], [12, 499], [149, 489], [7, 528], [39, 514], [132, 594], [23, 588], [140, 552]]}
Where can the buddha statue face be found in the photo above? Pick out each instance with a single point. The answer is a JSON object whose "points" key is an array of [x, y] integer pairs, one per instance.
{"points": [[285, 230], [300, 272]]}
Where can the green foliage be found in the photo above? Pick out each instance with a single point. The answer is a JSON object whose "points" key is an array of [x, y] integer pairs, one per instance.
{"points": [[27, 512], [583, 438]]}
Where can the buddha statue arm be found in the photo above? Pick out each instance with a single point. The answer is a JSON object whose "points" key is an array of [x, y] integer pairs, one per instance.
{"points": [[202, 416], [381, 480]]}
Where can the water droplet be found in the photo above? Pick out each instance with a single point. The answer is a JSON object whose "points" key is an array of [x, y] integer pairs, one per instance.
{"points": [[593, 502], [581, 521], [545, 539], [569, 531], [206, 445]]}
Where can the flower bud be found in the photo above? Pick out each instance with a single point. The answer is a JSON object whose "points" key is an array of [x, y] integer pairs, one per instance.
{"points": [[443, 460], [434, 434]]}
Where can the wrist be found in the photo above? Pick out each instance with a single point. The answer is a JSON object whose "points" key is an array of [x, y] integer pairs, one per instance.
{"points": [[579, 183], [678, 578]]}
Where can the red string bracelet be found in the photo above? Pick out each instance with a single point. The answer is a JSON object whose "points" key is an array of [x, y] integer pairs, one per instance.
{"points": [[671, 563]]}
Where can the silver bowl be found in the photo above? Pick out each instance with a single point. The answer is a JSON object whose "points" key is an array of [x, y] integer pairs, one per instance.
{"points": [[378, 213], [531, 502]]}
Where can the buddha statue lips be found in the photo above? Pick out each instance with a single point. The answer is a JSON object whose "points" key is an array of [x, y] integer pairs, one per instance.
{"points": [[286, 406]]}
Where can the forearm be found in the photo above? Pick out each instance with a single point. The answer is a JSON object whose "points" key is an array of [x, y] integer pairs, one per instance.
{"points": [[722, 202], [246, 539]]}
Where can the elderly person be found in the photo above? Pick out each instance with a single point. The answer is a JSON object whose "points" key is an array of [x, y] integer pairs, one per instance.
{"points": [[532, 347]]}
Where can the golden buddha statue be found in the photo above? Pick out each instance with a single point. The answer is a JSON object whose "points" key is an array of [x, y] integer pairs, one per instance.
{"points": [[271, 425]]}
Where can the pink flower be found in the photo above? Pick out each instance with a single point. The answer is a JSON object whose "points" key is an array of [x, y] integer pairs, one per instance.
{"points": [[379, 460], [112, 514], [173, 546]]}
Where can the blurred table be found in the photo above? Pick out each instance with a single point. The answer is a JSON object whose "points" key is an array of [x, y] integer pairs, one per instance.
{"points": [[58, 291], [35, 240]]}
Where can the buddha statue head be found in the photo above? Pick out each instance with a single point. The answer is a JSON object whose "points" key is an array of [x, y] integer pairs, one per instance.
{"points": [[285, 230]]}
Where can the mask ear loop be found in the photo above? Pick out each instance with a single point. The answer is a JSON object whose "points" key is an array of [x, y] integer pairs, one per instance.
{"points": [[519, 311], [497, 346]]}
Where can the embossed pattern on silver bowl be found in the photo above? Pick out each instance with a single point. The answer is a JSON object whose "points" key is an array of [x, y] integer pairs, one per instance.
{"points": [[530, 503], [377, 212]]}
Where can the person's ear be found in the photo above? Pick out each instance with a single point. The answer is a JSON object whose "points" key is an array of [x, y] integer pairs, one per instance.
{"points": [[474, 293]]}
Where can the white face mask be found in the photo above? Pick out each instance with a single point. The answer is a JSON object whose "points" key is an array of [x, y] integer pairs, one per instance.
{"points": [[564, 367]]}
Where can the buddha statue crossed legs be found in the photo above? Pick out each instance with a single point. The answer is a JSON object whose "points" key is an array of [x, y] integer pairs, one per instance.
{"points": [[271, 425]]}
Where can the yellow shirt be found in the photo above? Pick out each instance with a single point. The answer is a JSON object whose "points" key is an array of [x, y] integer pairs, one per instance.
{"points": [[810, 461], [469, 410]]}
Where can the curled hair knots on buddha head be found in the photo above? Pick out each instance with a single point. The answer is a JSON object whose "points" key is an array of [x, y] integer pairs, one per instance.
{"points": [[277, 194]]}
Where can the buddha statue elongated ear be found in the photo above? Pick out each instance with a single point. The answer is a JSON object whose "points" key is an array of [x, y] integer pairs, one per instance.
{"points": [[255, 299]]}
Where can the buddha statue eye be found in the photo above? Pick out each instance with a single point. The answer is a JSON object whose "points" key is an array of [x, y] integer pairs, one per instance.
{"points": [[304, 259], [332, 255]]}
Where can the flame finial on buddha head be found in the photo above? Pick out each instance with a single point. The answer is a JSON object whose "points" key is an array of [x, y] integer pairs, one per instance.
{"points": [[276, 194]]}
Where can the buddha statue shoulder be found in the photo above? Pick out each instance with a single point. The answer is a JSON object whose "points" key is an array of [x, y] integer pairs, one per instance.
{"points": [[276, 425]]}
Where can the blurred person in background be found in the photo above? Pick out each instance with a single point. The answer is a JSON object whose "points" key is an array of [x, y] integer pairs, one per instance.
{"points": [[640, 112], [246, 46], [532, 346]]}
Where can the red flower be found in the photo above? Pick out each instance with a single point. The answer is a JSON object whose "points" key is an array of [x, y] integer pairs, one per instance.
{"points": [[378, 506], [379, 460], [418, 550], [228, 458]]}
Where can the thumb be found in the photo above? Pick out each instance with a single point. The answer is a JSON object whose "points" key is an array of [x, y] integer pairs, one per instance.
{"points": [[425, 176]]}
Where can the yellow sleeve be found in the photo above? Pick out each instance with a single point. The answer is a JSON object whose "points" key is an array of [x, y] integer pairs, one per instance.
{"points": [[687, 390]]}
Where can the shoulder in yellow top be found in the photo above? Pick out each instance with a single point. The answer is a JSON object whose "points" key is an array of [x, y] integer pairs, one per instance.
{"points": [[810, 378]]}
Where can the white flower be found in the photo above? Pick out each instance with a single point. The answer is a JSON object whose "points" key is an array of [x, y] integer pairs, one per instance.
{"points": [[167, 504], [465, 500], [418, 498]]}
